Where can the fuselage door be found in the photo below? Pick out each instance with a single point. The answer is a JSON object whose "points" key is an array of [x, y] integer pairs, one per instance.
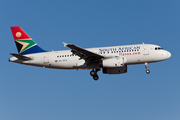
{"points": [[145, 49]]}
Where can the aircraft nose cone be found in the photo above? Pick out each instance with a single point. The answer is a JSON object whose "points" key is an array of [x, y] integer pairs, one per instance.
{"points": [[168, 54]]}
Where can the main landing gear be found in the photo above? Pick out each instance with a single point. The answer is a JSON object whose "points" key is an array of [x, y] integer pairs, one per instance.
{"points": [[93, 73], [147, 70]]}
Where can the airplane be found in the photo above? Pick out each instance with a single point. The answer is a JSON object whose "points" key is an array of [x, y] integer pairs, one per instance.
{"points": [[112, 60]]}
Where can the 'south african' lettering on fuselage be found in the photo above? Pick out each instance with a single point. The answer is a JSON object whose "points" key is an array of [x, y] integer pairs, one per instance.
{"points": [[119, 49]]}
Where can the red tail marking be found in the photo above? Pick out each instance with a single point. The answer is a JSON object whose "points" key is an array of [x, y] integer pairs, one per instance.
{"points": [[18, 33]]}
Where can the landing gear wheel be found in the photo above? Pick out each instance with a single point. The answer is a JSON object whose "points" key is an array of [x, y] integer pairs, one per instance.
{"points": [[92, 73], [147, 71], [96, 77]]}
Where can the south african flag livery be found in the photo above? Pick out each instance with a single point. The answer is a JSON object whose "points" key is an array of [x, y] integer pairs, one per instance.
{"points": [[24, 44]]}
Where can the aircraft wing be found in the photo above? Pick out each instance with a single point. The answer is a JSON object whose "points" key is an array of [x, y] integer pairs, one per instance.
{"points": [[88, 56]]}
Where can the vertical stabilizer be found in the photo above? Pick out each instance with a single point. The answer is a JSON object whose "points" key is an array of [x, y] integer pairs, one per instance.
{"points": [[24, 44]]}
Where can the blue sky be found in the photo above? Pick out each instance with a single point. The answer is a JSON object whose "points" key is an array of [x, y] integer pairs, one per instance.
{"points": [[32, 93]]}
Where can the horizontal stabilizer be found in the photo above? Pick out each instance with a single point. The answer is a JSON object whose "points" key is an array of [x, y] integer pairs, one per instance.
{"points": [[21, 57]]}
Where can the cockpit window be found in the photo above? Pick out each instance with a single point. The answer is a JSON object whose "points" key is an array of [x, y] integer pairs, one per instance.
{"points": [[158, 48]]}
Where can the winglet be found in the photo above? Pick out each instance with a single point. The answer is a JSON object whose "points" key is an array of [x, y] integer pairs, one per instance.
{"points": [[65, 44]]}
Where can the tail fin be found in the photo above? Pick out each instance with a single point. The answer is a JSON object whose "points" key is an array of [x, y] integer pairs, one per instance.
{"points": [[24, 44]]}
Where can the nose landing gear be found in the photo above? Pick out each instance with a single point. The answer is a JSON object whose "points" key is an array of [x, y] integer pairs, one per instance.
{"points": [[147, 70], [93, 73]]}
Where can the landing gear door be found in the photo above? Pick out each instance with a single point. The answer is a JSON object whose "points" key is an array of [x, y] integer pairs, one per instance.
{"points": [[45, 58], [145, 49]]}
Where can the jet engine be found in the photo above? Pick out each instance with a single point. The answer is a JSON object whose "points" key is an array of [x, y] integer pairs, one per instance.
{"points": [[117, 70]]}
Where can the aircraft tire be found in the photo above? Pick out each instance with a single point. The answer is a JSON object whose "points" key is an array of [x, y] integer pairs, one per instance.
{"points": [[95, 77], [92, 73], [147, 71]]}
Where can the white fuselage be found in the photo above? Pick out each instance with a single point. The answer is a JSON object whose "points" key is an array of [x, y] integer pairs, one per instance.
{"points": [[132, 54]]}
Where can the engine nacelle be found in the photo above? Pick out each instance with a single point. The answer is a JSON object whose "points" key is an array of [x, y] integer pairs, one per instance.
{"points": [[113, 62], [118, 70]]}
